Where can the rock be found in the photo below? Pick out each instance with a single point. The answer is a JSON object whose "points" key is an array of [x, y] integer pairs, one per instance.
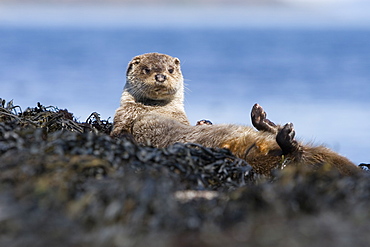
{"points": [[66, 183]]}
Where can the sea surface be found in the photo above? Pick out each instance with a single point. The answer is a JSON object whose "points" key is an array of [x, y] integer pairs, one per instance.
{"points": [[315, 76]]}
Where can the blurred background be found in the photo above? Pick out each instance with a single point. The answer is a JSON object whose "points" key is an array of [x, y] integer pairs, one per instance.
{"points": [[304, 61]]}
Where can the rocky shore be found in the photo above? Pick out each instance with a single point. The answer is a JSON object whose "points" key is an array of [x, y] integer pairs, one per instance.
{"points": [[67, 183]]}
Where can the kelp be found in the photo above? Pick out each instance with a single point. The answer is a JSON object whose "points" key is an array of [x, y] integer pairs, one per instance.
{"points": [[50, 118], [67, 183]]}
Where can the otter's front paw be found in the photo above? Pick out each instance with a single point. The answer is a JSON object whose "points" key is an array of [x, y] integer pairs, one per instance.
{"points": [[260, 122], [204, 122], [285, 139]]}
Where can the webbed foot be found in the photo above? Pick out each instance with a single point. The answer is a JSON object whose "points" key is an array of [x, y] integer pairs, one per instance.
{"points": [[260, 122], [285, 139]]}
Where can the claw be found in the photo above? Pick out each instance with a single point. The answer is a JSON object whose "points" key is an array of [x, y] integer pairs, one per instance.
{"points": [[259, 120], [285, 139]]}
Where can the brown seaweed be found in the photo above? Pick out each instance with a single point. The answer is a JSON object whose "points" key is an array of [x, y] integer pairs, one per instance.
{"points": [[66, 183]]}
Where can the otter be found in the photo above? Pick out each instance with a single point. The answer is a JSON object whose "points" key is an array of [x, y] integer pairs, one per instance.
{"points": [[152, 111]]}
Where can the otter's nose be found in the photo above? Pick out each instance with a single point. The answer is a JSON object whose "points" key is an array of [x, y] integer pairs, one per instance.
{"points": [[160, 77]]}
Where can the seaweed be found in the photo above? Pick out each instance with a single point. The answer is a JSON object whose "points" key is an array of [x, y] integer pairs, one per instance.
{"points": [[67, 183]]}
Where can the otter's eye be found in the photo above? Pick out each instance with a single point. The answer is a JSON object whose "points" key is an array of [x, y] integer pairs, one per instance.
{"points": [[171, 70], [146, 70]]}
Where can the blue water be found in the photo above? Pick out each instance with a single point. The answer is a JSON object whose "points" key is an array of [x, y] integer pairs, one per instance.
{"points": [[317, 78]]}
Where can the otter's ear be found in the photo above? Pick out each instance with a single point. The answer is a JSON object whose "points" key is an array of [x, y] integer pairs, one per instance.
{"points": [[177, 61], [135, 60]]}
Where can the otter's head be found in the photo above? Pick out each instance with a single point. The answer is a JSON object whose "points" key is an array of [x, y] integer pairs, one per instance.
{"points": [[154, 77]]}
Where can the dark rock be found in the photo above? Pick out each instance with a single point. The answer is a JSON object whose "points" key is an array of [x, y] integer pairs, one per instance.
{"points": [[65, 183]]}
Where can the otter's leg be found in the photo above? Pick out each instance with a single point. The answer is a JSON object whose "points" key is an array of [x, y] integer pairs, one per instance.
{"points": [[284, 135], [314, 157], [260, 122], [285, 139]]}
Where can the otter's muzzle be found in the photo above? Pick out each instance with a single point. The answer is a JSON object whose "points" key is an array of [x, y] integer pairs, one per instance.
{"points": [[160, 77]]}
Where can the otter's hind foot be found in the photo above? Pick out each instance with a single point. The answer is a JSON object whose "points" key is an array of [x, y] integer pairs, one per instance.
{"points": [[260, 122], [285, 139]]}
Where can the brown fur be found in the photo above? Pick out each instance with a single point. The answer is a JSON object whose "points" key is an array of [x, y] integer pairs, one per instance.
{"points": [[143, 94], [152, 110]]}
